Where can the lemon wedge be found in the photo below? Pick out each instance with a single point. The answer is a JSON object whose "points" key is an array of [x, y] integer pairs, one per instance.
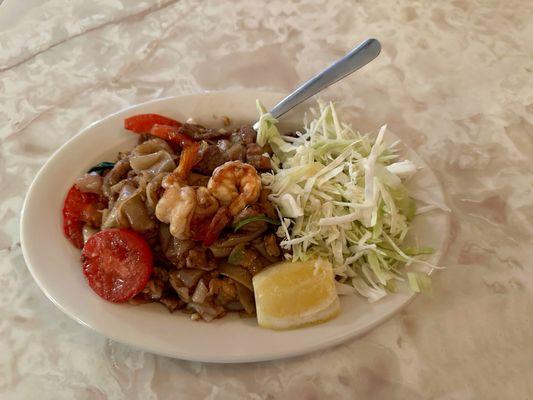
{"points": [[290, 295]]}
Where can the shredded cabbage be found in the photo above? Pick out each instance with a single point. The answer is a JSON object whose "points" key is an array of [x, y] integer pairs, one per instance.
{"points": [[340, 195]]}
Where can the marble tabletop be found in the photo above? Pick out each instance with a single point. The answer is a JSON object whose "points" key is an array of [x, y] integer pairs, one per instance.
{"points": [[453, 81]]}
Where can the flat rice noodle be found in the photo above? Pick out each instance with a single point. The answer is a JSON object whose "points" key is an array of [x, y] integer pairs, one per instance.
{"points": [[183, 294], [151, 146], [234, 305], [113, 218], [136, 213], [200, 293], [90, 183], [220, 252], [153, 163], [152, 190], [246, 297], [238, 274], [115, 175], [189, 276], [243, 256], [206, 311], [175, 282], [233, 239], [176, 250], [117, 188], [260, 247], [129, 211], [181, 247]]}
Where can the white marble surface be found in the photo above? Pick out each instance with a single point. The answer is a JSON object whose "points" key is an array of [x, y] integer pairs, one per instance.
{"points": [[454, 81]]}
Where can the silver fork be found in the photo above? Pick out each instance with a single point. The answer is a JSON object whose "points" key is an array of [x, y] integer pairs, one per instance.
{"points": [[351, 62]]}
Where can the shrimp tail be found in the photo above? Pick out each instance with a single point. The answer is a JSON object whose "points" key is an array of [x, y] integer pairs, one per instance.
{"points": [[219, 222], [188, 159]]}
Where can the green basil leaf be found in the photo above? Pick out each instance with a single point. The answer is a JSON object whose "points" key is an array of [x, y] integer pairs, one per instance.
{"points": [[100, 168], [259, 217]]}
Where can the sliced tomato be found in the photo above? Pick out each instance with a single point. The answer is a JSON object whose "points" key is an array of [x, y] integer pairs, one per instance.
{"points": [[143, 123], [117, 264], [79, 209], [172, 134]]}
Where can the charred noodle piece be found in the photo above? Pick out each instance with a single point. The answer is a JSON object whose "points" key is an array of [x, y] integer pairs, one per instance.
{"points": [[267, 206], [246, 298], [153, 289], [199, 258], [239, 274], [171, 303], [271, 245], [223, 290], [115, 175]]}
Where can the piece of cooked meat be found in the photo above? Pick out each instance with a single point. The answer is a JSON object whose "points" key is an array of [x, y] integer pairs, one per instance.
{"points": [[198, 132], [212, 157], [257, 157]]}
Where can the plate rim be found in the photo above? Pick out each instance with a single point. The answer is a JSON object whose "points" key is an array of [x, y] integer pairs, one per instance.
{"points": [[190, 356]]}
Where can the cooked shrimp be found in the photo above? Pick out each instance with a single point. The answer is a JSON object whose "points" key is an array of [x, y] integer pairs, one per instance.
{"points": [[176, 208], [236, 185], [189, 158], [206, 203], [180, 204]]}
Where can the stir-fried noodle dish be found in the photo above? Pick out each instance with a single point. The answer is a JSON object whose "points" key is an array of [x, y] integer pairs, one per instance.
{"points": [[182, 219]]}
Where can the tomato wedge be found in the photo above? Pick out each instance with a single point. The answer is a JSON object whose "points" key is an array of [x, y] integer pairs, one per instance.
{"points": [[79, 209], [143, 123], [117, 264], [172, 134]]}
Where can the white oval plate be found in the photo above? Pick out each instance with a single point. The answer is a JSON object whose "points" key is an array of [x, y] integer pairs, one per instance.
{"points": [[55, 263]]}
